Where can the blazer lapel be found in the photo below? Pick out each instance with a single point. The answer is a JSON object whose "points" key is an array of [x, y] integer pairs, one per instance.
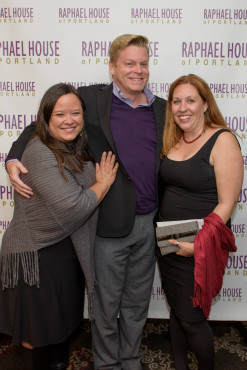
{"points": [[104, 100]]}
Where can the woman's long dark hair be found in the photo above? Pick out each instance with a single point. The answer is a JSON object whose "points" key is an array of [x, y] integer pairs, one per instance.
{"points": [[74, 156]]}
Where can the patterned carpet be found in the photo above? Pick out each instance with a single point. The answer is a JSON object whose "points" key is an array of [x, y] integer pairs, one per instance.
{"points": [[230, 346]]}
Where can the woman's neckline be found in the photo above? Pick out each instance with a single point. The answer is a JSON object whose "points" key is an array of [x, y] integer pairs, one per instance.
{"points": [[187, 159]]}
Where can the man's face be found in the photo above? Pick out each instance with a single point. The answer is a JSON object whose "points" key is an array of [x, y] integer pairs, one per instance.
{"points": [[130, 72]]}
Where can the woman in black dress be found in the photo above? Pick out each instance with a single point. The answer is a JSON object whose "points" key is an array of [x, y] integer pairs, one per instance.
{"points": [[202, 174], [49, 242]]}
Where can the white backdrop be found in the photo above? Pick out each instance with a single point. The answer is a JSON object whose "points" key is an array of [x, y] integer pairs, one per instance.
{"points": [[45, 42]]}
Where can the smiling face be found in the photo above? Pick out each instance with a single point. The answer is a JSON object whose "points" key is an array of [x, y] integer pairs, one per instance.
{"points": [[130, 72], [66, 120], [188, 108]]}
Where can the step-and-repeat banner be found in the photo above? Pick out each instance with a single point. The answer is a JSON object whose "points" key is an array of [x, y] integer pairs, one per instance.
{"points": [[46, 42]]}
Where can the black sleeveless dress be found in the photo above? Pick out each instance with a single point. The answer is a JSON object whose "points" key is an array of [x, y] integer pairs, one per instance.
{"points": [[189, 191]]}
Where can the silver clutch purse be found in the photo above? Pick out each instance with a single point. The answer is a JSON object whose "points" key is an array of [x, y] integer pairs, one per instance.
{"points": [[182, 231]]}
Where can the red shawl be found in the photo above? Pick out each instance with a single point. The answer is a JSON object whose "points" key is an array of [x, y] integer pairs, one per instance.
{"points": [[212, 245]]}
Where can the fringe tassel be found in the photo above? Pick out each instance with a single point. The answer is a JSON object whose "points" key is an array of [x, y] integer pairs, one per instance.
{"points": [[197, 298], [10, 264], [201, 300]]}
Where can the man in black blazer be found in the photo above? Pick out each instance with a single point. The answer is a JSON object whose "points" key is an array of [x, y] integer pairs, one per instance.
{"points": [[125, 118]]}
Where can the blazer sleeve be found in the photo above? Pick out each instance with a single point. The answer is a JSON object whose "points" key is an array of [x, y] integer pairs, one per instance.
{"points": [[20, 144]]}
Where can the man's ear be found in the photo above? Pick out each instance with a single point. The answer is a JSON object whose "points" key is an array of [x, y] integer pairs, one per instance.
{"points": [[111, 68]]}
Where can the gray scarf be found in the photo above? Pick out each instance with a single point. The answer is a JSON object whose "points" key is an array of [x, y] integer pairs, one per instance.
{"points": [[58, 209]]}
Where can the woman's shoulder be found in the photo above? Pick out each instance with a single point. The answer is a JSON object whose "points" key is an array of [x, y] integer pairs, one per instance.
{"points": [[37, 150], [35, 142], [226, 142], [218, 130], [220, 133], [225, 136]]}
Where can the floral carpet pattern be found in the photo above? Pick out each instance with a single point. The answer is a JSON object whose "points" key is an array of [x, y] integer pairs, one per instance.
{"points": [[230, 346]]}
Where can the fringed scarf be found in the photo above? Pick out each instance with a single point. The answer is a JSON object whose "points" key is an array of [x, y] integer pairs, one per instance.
{"points": [[57, 209]]}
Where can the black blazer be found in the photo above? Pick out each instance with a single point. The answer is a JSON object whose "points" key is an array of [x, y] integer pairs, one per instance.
{"points": [[118, 209]]}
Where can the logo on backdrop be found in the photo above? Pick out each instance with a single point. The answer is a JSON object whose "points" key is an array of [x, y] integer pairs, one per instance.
{"points": [[204, 53], [17, 88], [157, 293], [97, 52], [6, 196], [16, 15], [245, 161], [229, 90], [84, 15], [220, 90], [242, 200], [3, 225], [156, 15], [237, 124], [225, 16], [3, 157], [12, 125], [29, 52], [230, 294], [238, 230], [77, 84], [236, 265], [160, 89]]}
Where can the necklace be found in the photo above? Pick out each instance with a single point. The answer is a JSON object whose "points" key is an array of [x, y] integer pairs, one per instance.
{"points": [[192, 141]]}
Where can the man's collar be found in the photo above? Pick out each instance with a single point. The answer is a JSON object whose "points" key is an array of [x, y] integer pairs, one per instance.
{"points": [[120, 95]]}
